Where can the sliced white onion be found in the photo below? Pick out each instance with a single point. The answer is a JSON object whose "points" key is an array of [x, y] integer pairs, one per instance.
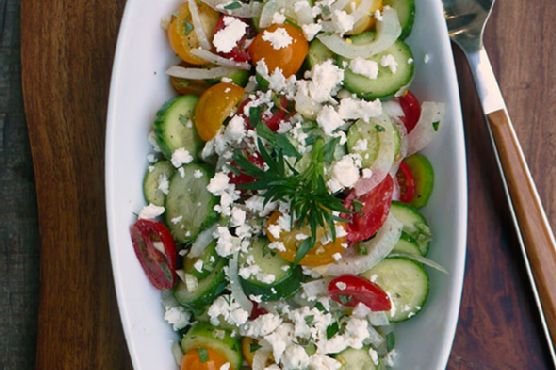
{"points": [[209, 56], [392, 108], [388, 31], [382, 165], [304, 14], [362, 10], [378, 318], [378, 248], [270, 8], [204, 238], [199, 73], [198, 25], [430, 121], [339, 5], [250, 10], [402, 131], [425, 261], [260, 359], [374, 337], [177, 352], [315, 288], [236, 290]]}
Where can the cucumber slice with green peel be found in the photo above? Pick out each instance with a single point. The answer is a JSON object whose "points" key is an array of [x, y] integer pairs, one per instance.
{"points": [[318, 53], [388, 83], [407, 284], [208, 288], [406, 14], [156, 179], [407, 244], [414, 224], [364, 138], [284, 277], [209, 260], [189, 205], [423, 173], [174, 129], [356, 359], [203, 335]]}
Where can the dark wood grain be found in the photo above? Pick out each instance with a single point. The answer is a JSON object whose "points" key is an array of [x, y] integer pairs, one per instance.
{"points": [[67, 54]]}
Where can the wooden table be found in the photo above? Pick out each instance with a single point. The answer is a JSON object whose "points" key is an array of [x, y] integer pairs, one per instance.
{"points": [[67, 51]]}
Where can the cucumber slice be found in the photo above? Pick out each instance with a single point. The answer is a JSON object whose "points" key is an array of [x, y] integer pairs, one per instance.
{"points": [[356, 359], [287, 277], [364, 138], [406, 14], [406, 282], [157, 174], [414, 224], [318, 53], [209, 259], [387, 83], [189, 205], [202, 335], [407, 244], [423, 173], [208, 289], [174, 129]]}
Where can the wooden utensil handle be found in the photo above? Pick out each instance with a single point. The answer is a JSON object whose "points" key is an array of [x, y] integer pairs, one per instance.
{"points": [[535, 230]]}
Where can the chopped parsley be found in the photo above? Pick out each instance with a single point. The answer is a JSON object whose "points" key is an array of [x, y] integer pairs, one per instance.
{"points": [[203, 354]]}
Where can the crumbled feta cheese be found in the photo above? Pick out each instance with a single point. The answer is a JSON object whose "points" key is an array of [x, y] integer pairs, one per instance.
{"points": [[364, 67], [279, 246], [279, 39], [279, 339], [310, 30], [226, 307], [198, 174], [374, 355], [345, 171], [238, 217], [226, 366], [151, 211], [367, 173], [163, 184], [295, 357], [337, 256], [178, 317], [219, 184], [235, 131], [263, 325], [274, 230], [390, 62], [360, 145], [228, 37], [329, 120], [325, 78], [181, 156], [278, 17], [351, 108], [342, 21], [226, 244]]}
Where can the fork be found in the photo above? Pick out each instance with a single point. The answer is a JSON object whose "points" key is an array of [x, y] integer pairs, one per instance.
{"points": [[466, 20]]}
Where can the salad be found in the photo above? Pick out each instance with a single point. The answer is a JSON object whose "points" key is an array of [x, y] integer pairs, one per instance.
{"points": [[284, 187]]}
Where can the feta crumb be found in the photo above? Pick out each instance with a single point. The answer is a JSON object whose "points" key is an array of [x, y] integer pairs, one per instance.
{"points": [[345, 171], [342, 21], [238, 217], [364, 67], [198, 174], [219, 184], [235, 131], [279, 17], [337, 256], [151, 211], [279, 246], [279, 39], [310, 30], [178, 317], [226, 366], [329, 120], [325, 78], [367, 173], [181, 156], [163, 184], [390, 62], [274, 230], [228, 37], [351, 108]]}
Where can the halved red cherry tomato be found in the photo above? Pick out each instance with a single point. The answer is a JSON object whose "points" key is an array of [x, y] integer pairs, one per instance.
{"points": [[156, 251], [243, 178], [289, 58], [278, 113], [406, 183], [370, 212], [350, 290], [256, 311], [411, 109], [239, 52]]}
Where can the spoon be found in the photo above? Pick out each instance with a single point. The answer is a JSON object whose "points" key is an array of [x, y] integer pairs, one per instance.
{"points": [[466, 20]]}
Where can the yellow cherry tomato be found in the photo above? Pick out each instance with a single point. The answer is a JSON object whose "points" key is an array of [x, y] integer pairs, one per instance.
{"points": [[203, 359], [246, 343], [289, 58], [320, 254], [368, 21], [181, 32], [214, 106]]}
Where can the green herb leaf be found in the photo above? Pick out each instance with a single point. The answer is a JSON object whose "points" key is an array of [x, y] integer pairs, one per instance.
{"points": [[379, 128], [303, 249], [357, 205], [344, 299], [187, 27], [203, 354], [309, 319], [320, 307], [278, 141], [254, 346], [332, 330], [363, 251], [255, 114], [184, 120], [233, 5], [436, 125]]}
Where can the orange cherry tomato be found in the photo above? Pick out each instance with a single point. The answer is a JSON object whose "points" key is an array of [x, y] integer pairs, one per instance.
{"points": [[366, 22], [214, 106], [181, 33], [320, 254], [289, 59], [246, 343], [203, 359]]}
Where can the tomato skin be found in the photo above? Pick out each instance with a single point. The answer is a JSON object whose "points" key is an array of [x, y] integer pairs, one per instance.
{"points": [[183, 40], [375, 207], [320, 254], [159, 267], [289, 59], [239, 52], [350, 290], [191, 360], [406, 183], [411, 108], [214, 106]]}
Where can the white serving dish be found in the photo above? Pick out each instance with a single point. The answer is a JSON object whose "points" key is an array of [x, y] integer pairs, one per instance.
{"points": [[139, 87]]}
